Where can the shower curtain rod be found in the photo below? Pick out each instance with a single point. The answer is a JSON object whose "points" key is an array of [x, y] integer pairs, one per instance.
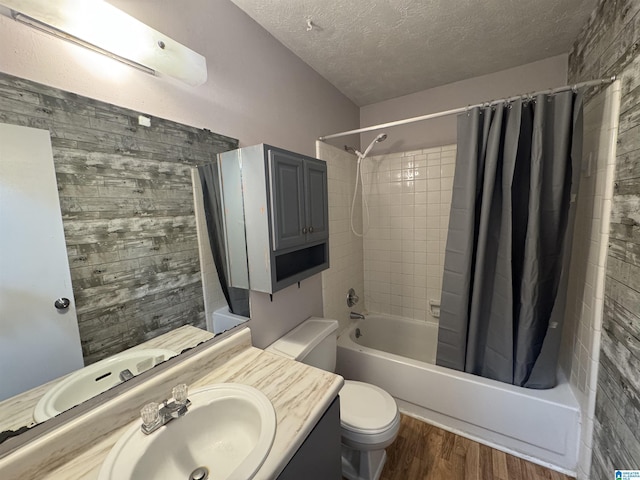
{"points": [[591, 83]]}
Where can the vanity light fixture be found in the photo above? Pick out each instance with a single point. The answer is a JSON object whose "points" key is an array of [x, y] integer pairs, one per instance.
{"points": [[101, 27]]}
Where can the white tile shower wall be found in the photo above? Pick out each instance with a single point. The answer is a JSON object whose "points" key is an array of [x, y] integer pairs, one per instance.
{"points": [[583, 315], [409, 198], [345, 248]]}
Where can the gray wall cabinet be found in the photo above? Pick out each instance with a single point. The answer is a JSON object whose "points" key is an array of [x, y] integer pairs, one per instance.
{"points": [[299, 198], [283, 209]]}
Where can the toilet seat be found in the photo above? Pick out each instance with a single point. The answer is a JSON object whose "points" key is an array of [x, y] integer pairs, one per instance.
{"points": [[366, 409], [370, 419]]}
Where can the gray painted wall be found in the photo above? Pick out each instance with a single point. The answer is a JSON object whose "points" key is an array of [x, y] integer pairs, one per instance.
{"points": [[548, 73], [609, 45], [257, 91]]}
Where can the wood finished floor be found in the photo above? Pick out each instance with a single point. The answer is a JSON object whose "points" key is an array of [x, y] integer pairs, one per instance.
{"points": [[425, 452]]}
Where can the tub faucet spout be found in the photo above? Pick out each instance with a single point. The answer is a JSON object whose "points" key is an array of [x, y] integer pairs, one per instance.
{"points": [[356, 316]]}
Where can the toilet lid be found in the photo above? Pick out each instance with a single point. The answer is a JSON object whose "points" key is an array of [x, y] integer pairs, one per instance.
{"points": [[365, 407]]}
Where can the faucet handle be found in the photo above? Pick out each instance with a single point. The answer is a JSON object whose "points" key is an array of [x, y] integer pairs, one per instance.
{"points": [[180, 393], [150, 414], [352, 298]]}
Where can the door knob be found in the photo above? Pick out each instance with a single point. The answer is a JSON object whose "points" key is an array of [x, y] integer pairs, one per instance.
{"points": [[304, 230], [310, 229], [62, 303]]}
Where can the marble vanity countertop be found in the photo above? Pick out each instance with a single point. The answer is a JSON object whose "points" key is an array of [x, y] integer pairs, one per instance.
{"points": [[300, 395], [17, 411]]}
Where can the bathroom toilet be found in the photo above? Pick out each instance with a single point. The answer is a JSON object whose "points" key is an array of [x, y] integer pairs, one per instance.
{"points": [[369, 416]]}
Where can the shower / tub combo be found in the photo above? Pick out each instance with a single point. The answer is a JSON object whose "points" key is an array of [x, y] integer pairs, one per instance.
{"points": [[505, 277], [398, 355]]}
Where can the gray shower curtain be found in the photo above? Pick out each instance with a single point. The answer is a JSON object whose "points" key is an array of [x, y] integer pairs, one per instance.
{"points": [[505, 267], [237, 298]]}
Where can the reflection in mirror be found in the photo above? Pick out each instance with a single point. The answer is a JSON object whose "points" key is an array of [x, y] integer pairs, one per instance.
{"points": [[22, 409], [35, 284], [98, 377], [126, 198], [215, 204]]}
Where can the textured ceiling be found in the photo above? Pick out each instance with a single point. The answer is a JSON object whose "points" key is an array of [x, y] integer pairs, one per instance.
{"points": [[376, 50]]}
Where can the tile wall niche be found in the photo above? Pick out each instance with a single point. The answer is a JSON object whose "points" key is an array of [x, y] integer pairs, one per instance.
{"points": [[585, 291], [409, 198], [345, 249]]}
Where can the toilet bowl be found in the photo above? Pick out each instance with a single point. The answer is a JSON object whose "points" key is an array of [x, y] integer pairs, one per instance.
{"points": [[369, 422], [369, 417]]}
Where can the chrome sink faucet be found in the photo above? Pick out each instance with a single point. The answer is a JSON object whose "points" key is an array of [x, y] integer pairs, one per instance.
{"points": [[154, 415], [126, 375]]}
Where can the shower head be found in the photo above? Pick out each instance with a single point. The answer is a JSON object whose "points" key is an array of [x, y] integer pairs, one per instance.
{"points": [[380, 138]]}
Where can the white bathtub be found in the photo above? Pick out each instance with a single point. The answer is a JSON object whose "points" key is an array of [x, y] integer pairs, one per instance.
{"points": [[408, 338], [393, 353]]}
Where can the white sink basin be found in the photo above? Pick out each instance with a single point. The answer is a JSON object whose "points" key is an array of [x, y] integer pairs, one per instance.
{"points": [[228, 430], [99, 377]]}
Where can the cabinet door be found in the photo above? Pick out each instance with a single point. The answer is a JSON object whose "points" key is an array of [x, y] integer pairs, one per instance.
{"points": [[319, 457], [287, 199], [316, 200]]}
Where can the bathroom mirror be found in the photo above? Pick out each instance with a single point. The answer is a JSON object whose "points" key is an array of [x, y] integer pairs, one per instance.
{"points": [[125, 193]]}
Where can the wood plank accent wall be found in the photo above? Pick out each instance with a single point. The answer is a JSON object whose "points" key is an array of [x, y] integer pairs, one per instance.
{"points": [[127, 209], [609, 44]]}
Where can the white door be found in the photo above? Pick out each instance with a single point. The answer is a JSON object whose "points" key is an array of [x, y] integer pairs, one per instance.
{"points": [[38, 342]]}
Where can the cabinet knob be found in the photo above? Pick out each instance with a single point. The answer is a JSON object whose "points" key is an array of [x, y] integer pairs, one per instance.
{"points": [[304, 230], [310, 229]]}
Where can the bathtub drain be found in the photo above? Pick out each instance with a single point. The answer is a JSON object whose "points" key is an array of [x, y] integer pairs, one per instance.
{"points": [[358, 333]]}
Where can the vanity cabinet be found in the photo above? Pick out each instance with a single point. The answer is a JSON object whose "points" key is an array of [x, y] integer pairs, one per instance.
{"points": [[319, 457], [276, 216]]}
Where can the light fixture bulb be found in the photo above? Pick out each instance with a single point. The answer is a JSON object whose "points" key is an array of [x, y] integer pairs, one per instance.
{"points": [[97, 25]]}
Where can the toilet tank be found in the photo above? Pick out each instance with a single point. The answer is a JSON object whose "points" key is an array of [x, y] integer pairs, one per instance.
{"points": [[313, 342]]}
